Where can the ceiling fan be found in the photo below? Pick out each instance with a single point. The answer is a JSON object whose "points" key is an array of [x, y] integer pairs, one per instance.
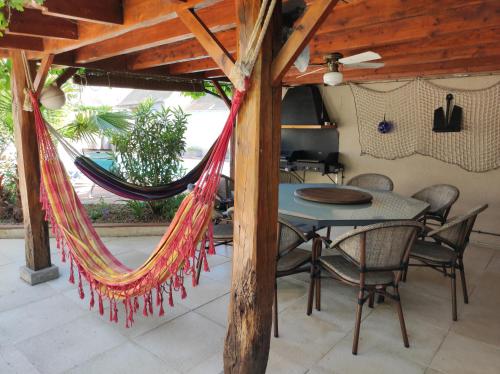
{"points": [[333, 60]]}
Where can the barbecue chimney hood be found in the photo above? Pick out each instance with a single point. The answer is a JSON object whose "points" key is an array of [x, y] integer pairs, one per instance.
{"points": [[303, 106]]}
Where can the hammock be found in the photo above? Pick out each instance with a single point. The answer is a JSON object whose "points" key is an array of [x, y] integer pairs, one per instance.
{"points": [[114, 184], [175, 257]]}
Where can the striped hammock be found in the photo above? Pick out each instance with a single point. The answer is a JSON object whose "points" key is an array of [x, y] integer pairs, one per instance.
{"points": [[174, 258]]}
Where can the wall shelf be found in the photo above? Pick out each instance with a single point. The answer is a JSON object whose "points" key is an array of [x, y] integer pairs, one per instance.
{"points": [[309, 127]]}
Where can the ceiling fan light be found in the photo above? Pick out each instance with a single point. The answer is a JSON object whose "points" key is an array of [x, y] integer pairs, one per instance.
{"points": [[333, 78]]}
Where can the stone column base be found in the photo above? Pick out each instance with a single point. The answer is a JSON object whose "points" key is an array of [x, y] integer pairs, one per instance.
{"points": [[39, 276]]}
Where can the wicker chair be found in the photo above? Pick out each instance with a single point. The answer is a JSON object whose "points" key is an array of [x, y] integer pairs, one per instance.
{"points": [[446, 253], [372, 258], [440, 197], [222, 234], [372, 181], [290, 259], [224, 196]]}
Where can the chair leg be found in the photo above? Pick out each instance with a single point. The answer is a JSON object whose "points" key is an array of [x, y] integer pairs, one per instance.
{"points": [[328, 232], [275, 309], [405, 273], [198, 269], [371, 300], [462, 278], [359, 311], [311, 291], [401, 318], [453, 293], [318, 292]]}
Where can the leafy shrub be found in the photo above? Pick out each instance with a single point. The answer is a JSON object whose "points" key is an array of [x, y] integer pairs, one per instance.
{"points": [[150, 154]]}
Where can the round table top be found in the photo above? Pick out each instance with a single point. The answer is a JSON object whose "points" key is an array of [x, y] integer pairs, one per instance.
{"points": [[330, 195], [385, 206]]}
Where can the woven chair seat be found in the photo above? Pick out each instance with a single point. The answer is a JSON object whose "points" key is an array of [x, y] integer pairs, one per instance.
{"points": [[433, 252], [350, 272], [294, 259], [223, 231]]}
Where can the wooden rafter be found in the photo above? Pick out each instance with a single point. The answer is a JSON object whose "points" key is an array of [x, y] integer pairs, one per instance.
{"points": [[218, 17], [303, 32], [465, 18], [32, 22], [20, 42], [462, 66], [137, 14], [210, 43], [191, 49], [221, 93], [65, 76], [42, 73], [102, 11]]}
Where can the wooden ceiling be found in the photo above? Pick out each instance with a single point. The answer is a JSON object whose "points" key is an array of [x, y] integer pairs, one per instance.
{"points": [[415, 38]]}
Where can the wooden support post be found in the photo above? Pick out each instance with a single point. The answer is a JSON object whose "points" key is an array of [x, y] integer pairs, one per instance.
{"points": [[36, 229], [256, 206]]}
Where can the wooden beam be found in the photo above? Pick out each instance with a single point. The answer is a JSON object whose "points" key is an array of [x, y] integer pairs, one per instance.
{"points": [[32, 22], [35, 228], [137, 82], [42, 73], [67, 74], [179, 52], [209, 42], [221, 93], [466, 18], [218, 17], [193, 66], [137, 14], [465, 39], [102, 11], [304, 30], [445, 68], [358, 14], [20, 42], [256, 206]]}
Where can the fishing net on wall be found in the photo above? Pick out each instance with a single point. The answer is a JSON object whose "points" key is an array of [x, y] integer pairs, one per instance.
{"points": [[411, 110]]}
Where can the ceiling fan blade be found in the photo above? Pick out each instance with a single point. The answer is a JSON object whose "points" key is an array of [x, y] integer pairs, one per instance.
{"points": [[365, 65], [360, 57], [311, 72]]}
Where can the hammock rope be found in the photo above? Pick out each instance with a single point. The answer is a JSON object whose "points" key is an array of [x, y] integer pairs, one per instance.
{"points": [[176, 255]]}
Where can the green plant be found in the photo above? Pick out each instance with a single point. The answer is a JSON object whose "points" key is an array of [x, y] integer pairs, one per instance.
{"points": [[151, 153], [6, 7], [90, 122], [138, 208]]}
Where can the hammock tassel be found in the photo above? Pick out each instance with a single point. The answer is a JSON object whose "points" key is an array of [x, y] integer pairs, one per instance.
{"points": [[71, 274], [80, 286], [115, 309], [205, 264], [183, 292], [136, 304], [150, 303], [170, 297], [211, 245], [92, 301], [101, 306], [145, 309]]}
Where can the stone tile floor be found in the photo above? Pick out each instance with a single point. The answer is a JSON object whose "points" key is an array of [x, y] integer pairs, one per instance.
{"points": [[47, 329]]}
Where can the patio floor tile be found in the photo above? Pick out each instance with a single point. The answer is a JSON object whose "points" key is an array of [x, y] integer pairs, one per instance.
{"points": [[67, 346], [192, 339], [461, 355]]}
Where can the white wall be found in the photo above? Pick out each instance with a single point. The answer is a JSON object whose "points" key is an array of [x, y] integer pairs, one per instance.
{"points": [[412, 173]]}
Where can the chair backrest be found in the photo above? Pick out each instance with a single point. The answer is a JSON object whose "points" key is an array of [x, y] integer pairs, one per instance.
{"points": [[289, 177], [289, 237], [226, 185], [456, 232], [382, 246], [440, 198], [372, 181]]}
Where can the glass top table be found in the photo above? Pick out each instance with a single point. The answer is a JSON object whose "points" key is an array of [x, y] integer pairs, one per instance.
{"points": [[385, 206]]}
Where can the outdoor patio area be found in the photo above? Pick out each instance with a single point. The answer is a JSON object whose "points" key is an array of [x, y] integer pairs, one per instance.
{"points": [[48, 329]]}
